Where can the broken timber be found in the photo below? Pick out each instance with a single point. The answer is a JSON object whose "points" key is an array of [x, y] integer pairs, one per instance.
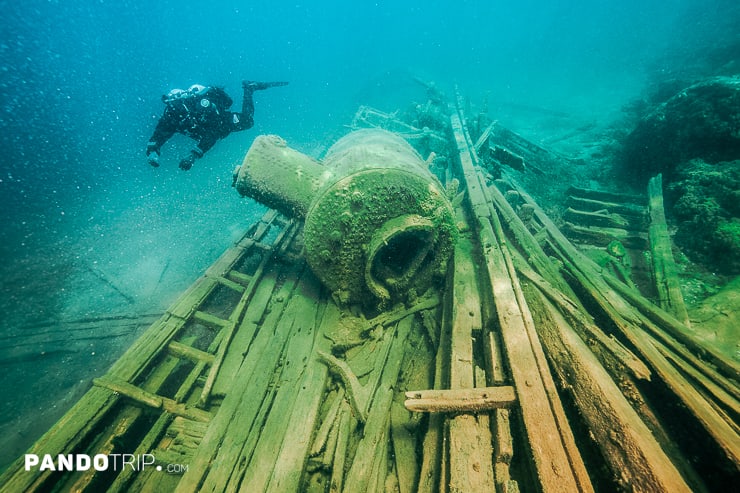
{"points": [[664, 268]]}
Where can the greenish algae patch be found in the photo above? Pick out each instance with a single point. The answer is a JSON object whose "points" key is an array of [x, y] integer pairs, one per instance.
{"points": [[716, 320]]}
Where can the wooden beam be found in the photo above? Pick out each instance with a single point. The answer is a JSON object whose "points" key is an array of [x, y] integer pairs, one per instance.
{"points": [[211, 464], [371, 454], [234, 286], [210, 321], [612, 353], [668, 323], [235, 318], [469, 437], [599, 219], [554, 454], [636, 213], [627, 444], [184, 351], [630, 323], [151, 400], [480, 399], [240, 278], [603, 236], [664, 267], [605, 196]]}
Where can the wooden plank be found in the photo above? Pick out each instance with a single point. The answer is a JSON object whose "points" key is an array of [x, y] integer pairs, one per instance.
{"points": [[626, 442], [404, 449], [400, 312], [470, 449], [606, 196], [475, 400], [557, 462], [104, 444], [668, 323], [504, 443], [123, 425], [297, 362], [466, 315], [226, 281], [537, 159], [529, 352], [372, 448], [433, 467], [242, 403], [68, 432], [664, 268], [293, 455], [148, 346], [189, 302], [726, 397], [123, 481], [244, 337], [380, 468], [145, 479], [470, 454], [603, 236], [722, 431], [358, 395], [209, 320], [328, 426], [239, 277], [336, 483], [151, 400], [84, 416], [608, 349], [527, 241], [495, 361], [629, 322], [184, 351], [600, 219], [235, 318], [483, 137], [636, 213]]}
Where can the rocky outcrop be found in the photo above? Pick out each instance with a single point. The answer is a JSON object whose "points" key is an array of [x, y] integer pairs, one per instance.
{"points": [[701, 121], [693, 139], [706, 207]]}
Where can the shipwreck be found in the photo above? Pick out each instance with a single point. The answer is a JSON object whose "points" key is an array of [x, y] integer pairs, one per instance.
{"points": [[404, 320]]}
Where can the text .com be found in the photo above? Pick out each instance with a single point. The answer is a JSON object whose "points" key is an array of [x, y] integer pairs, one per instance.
{"points": [[99, 462]]}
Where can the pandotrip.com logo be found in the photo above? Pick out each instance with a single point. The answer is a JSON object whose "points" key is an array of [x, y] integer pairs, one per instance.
{"points": [[99, 462]]}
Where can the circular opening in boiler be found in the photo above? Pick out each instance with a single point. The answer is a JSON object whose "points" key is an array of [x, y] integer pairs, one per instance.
{"points": [[398, 252], [401, 254]]}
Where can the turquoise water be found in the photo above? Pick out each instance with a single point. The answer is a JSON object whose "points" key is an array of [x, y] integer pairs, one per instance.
{"points": [[90, 233]]}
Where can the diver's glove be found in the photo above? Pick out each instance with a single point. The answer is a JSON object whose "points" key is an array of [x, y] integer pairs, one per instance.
{"points": [[187, 162], [251, 85], [152, 157]]}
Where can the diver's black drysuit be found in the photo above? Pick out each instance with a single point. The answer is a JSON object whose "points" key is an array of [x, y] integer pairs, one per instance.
{"points": [[203, 116]]}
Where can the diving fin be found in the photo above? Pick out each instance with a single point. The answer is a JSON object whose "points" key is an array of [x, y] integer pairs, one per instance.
{"points": [[260, 86]]}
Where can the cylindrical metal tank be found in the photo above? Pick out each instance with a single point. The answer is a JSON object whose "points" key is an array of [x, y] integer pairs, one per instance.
{"points": [[378, 225], [279, 177]]}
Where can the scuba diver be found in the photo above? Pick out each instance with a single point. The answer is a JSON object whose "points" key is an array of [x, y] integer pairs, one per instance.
{"points": [[202, 113]]}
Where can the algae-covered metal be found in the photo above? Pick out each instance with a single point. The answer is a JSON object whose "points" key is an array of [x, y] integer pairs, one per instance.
{"points": [[378, 224]]}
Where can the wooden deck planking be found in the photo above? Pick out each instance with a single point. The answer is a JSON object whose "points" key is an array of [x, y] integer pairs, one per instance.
{"points": [[554, 455], [470, 441]]}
